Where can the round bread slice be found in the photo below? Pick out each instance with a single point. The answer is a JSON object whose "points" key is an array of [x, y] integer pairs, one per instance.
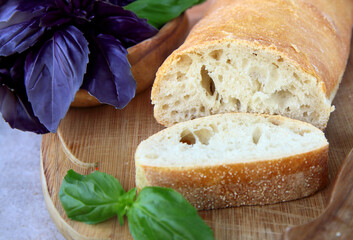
{"points": [[235, 159]]}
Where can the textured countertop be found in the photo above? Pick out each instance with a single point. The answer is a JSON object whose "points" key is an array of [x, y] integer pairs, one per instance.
{"points": [[23, 214]]}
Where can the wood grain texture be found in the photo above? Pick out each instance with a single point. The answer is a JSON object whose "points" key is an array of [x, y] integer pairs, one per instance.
{"points": [[337, 220], [108, 138]]}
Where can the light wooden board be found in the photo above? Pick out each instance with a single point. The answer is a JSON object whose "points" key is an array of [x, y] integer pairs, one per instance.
{"points": [[109, 137]]}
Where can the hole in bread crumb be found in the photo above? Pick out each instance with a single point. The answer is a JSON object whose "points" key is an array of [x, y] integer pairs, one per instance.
{"points": [[186, 97], [296, 76], [207, 82], [301, 132], [185, 60], [187, 137], [305, 114], [229, 61], [216, 54], [256, 135], [202, 109], [180, 75], [165, 106], [203, 135], [217, 96], [274, 64], [236, 102], [280, 59]]}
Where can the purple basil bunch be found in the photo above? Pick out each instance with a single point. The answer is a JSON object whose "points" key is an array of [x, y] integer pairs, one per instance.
{"points": [[49, 49]]}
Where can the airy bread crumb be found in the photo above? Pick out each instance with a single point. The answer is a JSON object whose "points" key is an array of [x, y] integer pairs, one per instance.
{"points": [[258, 56], [235, 159]]}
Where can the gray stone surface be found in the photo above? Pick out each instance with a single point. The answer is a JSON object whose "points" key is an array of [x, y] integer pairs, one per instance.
{"points": [[23, 214]]}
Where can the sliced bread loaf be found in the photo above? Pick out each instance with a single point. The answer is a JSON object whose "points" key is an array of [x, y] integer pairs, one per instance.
{"points": [[235, 159], [263, 56]]}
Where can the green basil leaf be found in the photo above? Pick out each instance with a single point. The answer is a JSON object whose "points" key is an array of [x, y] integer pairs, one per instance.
{"points": [[125, 202], [162, 213], [159, 12], [90, 198]]}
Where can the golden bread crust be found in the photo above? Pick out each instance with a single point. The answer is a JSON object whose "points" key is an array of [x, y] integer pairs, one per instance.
{"points": [[251, 183]]}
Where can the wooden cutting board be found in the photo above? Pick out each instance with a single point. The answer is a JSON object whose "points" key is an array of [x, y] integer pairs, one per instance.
{"points": [[106, 138]]}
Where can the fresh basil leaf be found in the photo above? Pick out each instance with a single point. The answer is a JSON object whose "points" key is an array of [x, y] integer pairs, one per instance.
{"points": [[159, 12], [54, 18], [16, 11], [54, 74], [7, 10], [19, 25], [33, 5], [18, 112], [91, 198], [19, 37], [129, 30], [14, 105], [162, 213], [125, 202], [109, 77], [123, 24], [120, 2]]}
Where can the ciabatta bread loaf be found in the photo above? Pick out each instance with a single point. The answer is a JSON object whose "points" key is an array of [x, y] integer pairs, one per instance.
{"points": [[235, 159], [283, 57]]}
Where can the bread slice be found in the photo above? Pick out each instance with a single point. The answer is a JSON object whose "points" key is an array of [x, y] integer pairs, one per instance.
{"points": [[235, 159], [283, 57]]}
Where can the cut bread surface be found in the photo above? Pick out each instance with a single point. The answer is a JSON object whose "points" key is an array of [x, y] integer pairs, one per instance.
{"points": [[233, 77], [229, 138], [258, 56], [235, 159]]}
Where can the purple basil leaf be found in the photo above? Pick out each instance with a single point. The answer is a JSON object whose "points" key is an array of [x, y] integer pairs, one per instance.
{"points": [[19, 37], [5, 77], [54, 74], [18, 112], [15, 11], [7, 9], [75, 9], [54, 18], [120, 2], [33, 5], [105, 9], [129, 30], [122, 24], [108, 76]]}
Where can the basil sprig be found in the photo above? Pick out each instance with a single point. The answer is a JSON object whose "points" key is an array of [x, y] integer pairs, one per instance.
{"points": [[159, 12], [157, 213]]}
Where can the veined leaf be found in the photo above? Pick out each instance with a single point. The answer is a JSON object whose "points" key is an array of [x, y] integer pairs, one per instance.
{"points": [[90, 198], [162, 213], [122, 24], [18, 112], [54, 73], [109, 77], [19, 37]]}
